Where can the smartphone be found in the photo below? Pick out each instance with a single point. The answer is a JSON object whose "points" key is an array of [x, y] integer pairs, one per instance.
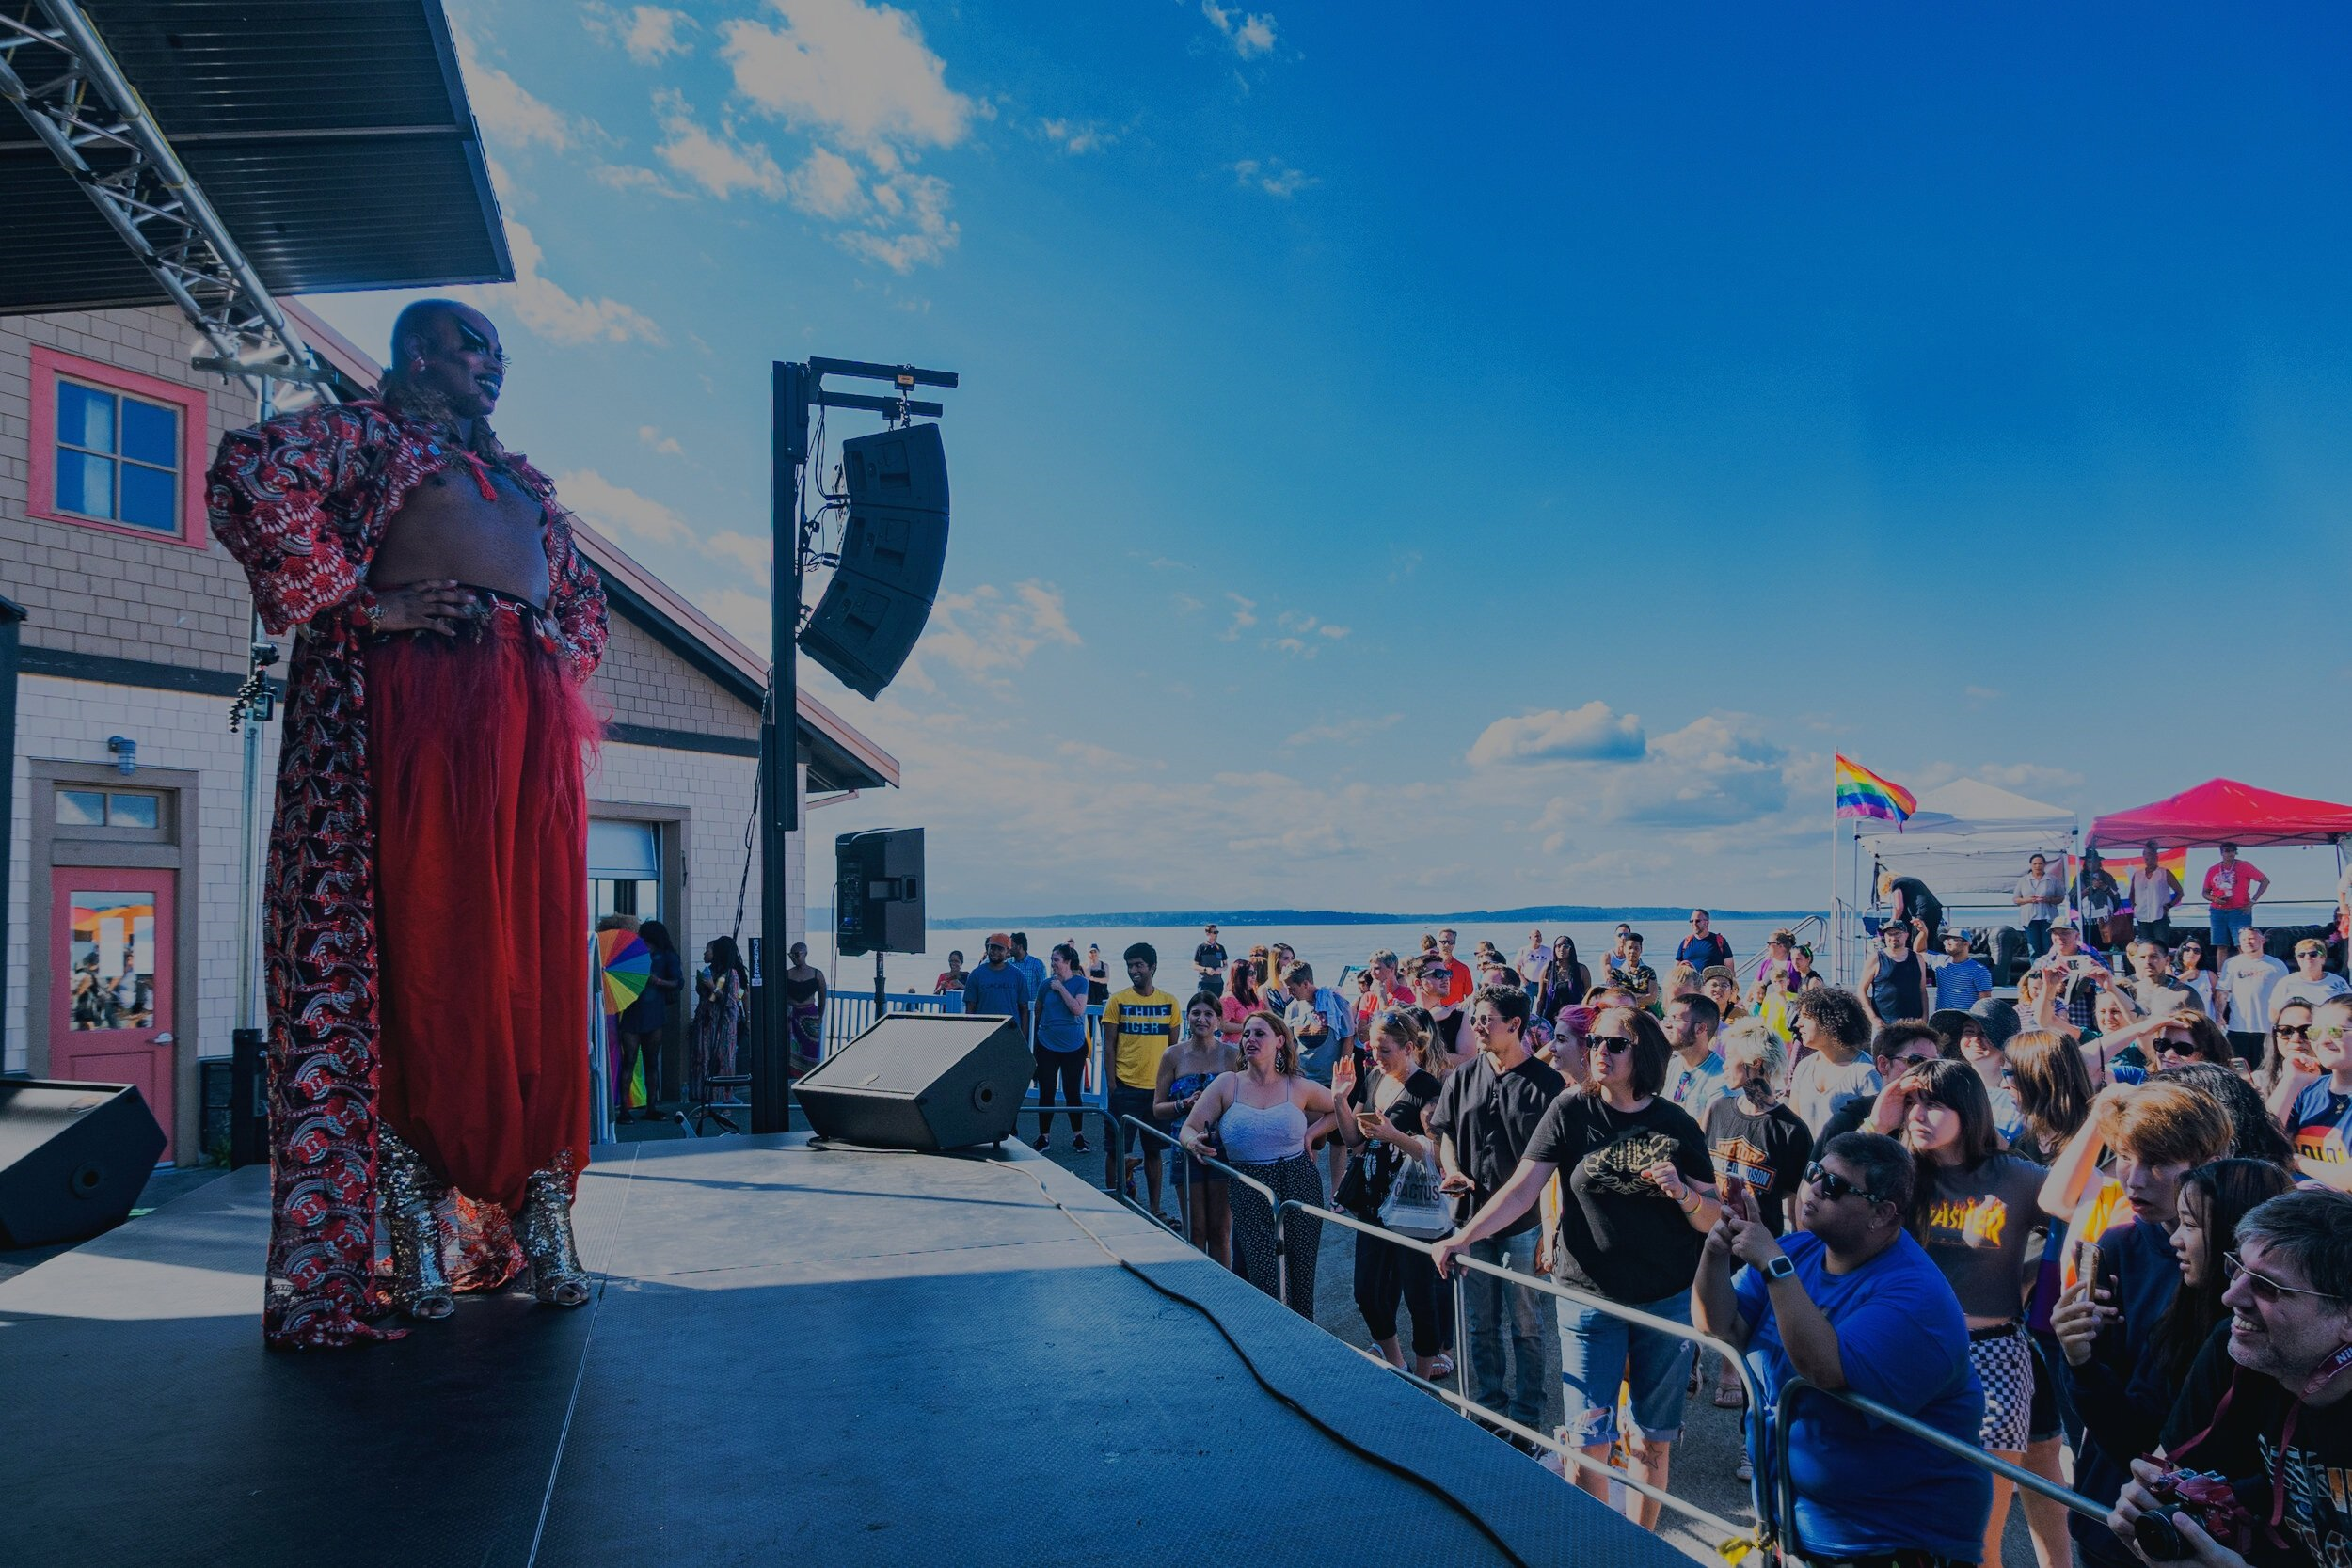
{"points": [[2086, 1261], [1736, 1197]]}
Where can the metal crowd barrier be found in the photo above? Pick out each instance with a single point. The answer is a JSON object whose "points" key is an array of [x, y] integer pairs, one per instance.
{"points": [[1274, 1204], [1784, 1487], [1569, 1453]]}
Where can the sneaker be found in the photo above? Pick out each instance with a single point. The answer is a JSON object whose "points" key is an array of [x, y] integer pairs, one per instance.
{"points": [[1744, 1470], [1046, 1145], [1079, 1143]]}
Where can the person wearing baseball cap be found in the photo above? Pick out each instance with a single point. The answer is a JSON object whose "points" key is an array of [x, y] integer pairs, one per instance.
{"points": [[997, 989]]}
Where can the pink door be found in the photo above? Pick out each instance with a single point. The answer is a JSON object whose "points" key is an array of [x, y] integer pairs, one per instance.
{"points": [[110, 981]]}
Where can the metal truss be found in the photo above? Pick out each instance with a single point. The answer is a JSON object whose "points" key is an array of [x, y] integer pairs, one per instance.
{"points": [[94, 120]]}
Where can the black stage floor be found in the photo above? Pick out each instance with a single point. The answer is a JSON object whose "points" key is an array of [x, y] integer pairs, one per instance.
{"points": [[796, 1356]]}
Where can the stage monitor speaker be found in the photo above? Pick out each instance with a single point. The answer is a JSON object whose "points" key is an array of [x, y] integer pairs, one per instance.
{"points": [[924, 1081], [893, 552], [73, 1158], [878, 892]]}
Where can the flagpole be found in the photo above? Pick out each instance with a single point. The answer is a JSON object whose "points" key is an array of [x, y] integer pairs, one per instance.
{"points": [[1836, 947]]}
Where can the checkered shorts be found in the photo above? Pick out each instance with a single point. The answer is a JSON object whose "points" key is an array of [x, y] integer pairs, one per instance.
{"points": [[2004, 1364]]}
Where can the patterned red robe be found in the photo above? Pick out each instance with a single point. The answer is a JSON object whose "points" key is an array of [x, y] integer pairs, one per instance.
{"points": [[303, 503]]}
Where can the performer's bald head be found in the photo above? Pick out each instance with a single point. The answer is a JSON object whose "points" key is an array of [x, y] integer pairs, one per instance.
{"points": [[448, 352]]}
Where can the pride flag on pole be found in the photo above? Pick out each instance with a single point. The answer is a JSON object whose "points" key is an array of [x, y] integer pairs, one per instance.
{"points": [[1863, 793]]}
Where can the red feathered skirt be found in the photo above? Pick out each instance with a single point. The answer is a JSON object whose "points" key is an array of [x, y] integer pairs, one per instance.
{"points": [[477, 745]]}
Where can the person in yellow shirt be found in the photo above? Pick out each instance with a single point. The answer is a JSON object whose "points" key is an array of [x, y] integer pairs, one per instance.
{"points": [[1138, 1024]]}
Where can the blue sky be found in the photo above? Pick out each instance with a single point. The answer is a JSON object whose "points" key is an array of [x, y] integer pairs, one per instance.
{"points": [[1411, 462]]}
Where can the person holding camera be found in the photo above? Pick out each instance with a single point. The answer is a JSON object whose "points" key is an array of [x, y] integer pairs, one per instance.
{"points": [[1852, 1303], [2251, 1470]]}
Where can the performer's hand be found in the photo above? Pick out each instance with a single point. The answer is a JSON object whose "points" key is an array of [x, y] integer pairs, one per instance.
{"points": [[424, 607]]}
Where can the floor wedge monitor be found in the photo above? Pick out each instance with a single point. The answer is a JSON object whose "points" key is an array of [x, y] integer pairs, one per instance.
{"points": [[924, 1081], [73, 1158]]}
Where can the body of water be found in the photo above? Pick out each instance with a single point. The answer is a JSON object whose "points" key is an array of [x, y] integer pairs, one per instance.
{"points": [[1329, 948]]}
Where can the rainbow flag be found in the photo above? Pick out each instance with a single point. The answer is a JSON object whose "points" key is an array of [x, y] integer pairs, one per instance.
{"points": [[1863, 793]]}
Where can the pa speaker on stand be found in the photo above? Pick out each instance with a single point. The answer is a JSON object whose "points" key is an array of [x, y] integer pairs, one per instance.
{"points": [[893, 552]]}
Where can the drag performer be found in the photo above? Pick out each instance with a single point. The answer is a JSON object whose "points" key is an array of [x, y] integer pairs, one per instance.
{"points": [[428, 886]]}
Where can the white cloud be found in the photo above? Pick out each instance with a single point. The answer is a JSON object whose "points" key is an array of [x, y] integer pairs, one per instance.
{"points": [[1245, 616], [1078, 137], [653, 34], [1272, 176], [1188, 605], [508, 114], [1250, 34], [1347, 731], [556, 315], [622, 512], [632, 177], [988, 633], [908, 223], [742, 612], [1589, 734], [720, 164], [666, 445], [1712, 772], [827, 186], [860, 74], [751, 554]]}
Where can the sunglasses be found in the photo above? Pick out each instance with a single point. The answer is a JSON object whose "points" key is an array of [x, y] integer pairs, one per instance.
{"points": [[1616, 1045], [1834, 1186], [2293, 1031], [2266, 1290]]}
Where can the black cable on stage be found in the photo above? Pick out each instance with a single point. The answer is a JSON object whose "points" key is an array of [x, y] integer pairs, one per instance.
{"points": [[1381, 1460]]}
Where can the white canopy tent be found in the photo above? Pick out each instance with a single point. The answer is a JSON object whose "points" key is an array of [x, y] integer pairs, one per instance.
{"points": [[1968, 841]]}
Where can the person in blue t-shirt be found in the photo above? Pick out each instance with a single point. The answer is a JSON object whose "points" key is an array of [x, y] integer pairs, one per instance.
{"points": [[997, 989], [1853, 1305], [1033, 971], [1961, 982]]}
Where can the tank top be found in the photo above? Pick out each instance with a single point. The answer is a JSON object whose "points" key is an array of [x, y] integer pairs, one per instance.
{"points": [[1898, 992], [1252, 1136]]}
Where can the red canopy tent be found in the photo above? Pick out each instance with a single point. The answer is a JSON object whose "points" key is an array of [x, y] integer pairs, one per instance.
{"points": [[2223, 811]]}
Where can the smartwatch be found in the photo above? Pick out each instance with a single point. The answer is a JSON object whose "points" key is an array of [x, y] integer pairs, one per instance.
{"points": [[1782, 1267]]}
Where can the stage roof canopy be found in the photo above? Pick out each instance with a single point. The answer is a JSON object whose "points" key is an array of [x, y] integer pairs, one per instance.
{"points": [[2223, 811], [334, 140]]}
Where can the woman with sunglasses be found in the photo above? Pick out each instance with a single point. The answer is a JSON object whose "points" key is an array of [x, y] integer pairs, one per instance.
{"points": [[2321, 1121], [1637, 1202], [1263, 1116], [2290, 1067], [1973, 1209], [2188, 967], [1565, 980]]}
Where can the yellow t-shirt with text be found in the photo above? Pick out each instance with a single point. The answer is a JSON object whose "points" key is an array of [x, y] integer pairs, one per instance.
{"points": [[1139, 1028]]}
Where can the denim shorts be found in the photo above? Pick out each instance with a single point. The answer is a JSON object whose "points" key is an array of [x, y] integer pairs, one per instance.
{"points": [[1598, 1352]]}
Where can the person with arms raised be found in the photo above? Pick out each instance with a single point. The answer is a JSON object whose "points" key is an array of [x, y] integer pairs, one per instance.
{"points": [[1852, 1303]]}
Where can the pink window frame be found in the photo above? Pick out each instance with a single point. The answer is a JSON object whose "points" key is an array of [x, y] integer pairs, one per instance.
{"points": [[50, 365]]}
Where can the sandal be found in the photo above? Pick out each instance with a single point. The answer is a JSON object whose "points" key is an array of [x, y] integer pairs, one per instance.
{"points": [[1441, 1368], [1731, 1398]]}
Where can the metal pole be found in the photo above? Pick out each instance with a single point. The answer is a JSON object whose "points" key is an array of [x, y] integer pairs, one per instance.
{"points": [[779, 748], [879, 985]]}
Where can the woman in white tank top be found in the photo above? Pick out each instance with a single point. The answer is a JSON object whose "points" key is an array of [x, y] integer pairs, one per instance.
{"points": [[1261, 1121]]}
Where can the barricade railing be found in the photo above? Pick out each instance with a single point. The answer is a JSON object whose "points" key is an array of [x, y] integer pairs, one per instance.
{"points": [[1569, 1453], [1124, 1125], [1782, 1525]]}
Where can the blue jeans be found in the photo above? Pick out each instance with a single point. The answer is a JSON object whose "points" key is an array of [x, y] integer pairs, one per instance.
{"points": [[1597, 1351], [2037, 938], [1487, 1300], [2225, 925]]}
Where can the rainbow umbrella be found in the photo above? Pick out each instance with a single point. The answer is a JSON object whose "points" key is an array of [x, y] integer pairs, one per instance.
{"points": [[627, 967]]}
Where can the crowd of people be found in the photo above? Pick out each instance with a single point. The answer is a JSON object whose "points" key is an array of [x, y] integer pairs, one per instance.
{"points": [[2096, 1230]]}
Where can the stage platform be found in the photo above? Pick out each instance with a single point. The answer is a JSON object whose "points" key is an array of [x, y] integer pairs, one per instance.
{"points": [[796, 1354]]}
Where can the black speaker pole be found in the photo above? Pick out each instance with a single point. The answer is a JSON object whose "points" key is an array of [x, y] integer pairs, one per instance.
{"points": [[779, 752]]}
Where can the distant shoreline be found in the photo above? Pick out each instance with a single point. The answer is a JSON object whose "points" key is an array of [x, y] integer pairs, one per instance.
{"points": [[1537, 914]]}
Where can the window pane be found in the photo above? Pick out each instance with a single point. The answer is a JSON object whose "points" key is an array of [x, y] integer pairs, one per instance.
{"points": [[84, 418], [111, 946], [151, 498], [81, 808], [130, 811], [151, 432], [85, 484]]}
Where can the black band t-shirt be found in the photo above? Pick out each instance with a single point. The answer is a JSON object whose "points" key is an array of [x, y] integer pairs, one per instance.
{"points": [[1619, 1234], [1767, 1149]]}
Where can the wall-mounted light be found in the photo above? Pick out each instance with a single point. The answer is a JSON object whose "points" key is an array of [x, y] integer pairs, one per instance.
{"points": [[126, 753]]}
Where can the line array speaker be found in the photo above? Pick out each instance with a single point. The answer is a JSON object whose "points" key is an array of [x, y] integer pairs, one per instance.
{"points": [[893, 552]]}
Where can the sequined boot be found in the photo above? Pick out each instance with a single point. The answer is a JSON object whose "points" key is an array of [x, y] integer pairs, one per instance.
{"points": [[411, 1201], [544, 1230]]}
